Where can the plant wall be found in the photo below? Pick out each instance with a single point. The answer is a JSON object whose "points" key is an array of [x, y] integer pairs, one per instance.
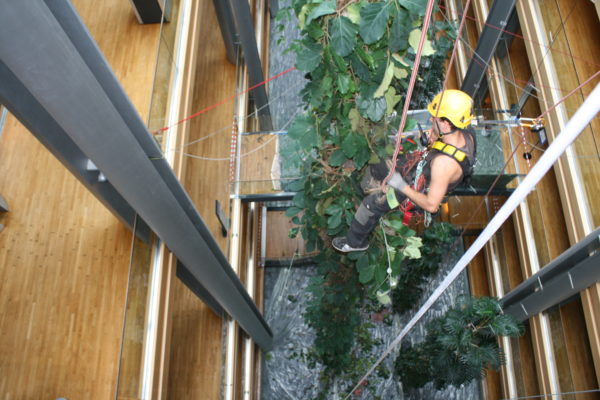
{"points": [[357, 56]]}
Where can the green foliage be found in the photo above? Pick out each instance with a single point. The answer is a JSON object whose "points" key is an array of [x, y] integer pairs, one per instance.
{"points": [[459, 346], [334, 313], [355, 91], [374, 20], [437, 240], [343, 36]]}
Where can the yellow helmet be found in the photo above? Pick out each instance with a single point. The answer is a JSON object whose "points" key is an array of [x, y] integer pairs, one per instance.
{"points": [[455, 106]]}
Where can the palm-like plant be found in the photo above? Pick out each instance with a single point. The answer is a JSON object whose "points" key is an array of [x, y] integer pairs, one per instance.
{"points": [[459, 346]]}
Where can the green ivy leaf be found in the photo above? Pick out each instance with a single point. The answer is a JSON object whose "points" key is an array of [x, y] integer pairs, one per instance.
{"points": [[401, 26], [350, 145], [325, 8], [333, 209], [366, 274], [362, 262], [290, 212], [381, 273], [415, 37], [343, 35], [309, 56], [359, 68], [314, 30], [391, 99], [371, 108], [300, 200], [337, 158], [362, 156], [355, 119], [334, 221], [373, 22], [397, 263], [353, 12], [297, 185], [416, 7], [303, 130], [387, 80], [343, 83], [412, 249]]}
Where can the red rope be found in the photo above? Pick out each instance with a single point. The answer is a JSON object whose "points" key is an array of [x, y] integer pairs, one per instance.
{"points": [[572, 92], [428, 14], [224, 101], [413, 79]]}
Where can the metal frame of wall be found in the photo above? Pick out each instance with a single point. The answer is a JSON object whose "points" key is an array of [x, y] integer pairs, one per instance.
{"points": [[575, 204], [527, 249], [237, 28], [571, 191]]}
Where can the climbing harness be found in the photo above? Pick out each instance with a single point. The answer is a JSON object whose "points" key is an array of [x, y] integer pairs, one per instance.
{"points": [[452, 151], [414, 161]]}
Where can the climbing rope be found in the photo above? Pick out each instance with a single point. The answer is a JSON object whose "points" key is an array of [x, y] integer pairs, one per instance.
{"points": [[572, 92], [411, 85], [571, 131], [408, 204]]}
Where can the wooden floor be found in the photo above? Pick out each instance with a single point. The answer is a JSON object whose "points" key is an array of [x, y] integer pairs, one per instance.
{"points": [[64, 259]]}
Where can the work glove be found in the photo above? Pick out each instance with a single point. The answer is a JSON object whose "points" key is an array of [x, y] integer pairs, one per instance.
{"points": [[397, 182]]}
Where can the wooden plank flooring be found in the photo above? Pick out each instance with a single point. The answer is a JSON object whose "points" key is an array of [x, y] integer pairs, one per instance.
{"points": [[64, 259]]}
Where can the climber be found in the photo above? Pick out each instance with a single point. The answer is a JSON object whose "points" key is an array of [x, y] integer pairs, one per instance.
{"points": [[445, 164]]}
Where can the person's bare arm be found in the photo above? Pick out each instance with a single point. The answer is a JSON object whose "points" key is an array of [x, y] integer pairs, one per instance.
{"points": [[443, 171]]}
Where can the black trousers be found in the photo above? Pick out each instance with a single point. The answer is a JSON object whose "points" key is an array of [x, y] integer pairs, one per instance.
{"points": [[371, 209]]}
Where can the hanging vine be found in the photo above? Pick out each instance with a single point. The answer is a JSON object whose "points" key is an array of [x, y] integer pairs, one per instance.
{"points": [[357, 57]]}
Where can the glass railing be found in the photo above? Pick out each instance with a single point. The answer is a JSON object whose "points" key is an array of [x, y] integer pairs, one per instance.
{"points": [[268, 162], [139, 327]]}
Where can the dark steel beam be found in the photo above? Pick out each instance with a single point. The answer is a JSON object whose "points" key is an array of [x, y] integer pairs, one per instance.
{"points": [[183, 273], [235, 21], [48, 61], [566, 276], [228, 31], [245, 30], [151, 11], [34, 117], [497, 21]]}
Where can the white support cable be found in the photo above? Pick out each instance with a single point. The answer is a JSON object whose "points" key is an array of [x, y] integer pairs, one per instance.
{"points": [[244, 154], [585, 113], [228, 127]]}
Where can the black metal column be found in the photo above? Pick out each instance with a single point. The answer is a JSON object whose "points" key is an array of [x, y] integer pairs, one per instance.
{"points": [[228, 31], [235, 20], [497, 20], [151, 11]]}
